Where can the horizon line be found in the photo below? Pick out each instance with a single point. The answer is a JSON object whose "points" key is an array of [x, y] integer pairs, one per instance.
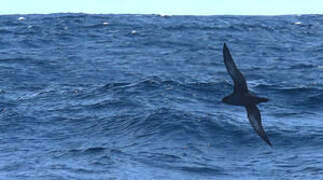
{"points": [[160, 14]]}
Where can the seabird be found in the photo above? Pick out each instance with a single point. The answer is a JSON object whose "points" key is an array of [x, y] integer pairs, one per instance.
{"points": [[242, 97]]}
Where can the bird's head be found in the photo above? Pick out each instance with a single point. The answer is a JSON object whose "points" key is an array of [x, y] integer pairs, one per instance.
{"points": [[225, 99]]}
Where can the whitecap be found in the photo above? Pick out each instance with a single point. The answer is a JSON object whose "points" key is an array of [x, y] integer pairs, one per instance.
{"points": [[21, 18], [164, 15]]}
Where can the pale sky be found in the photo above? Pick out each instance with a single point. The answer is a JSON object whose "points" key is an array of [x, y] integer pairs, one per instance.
{"points": [[170, 7]]}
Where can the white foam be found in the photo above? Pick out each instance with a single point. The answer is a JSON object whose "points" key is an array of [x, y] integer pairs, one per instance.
{"points": [[298, 23], [21, 18], [164, 15], [320, 67], [105, 23]]}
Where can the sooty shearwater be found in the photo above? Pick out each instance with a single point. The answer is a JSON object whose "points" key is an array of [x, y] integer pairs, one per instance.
{"points": [[242, 97]]}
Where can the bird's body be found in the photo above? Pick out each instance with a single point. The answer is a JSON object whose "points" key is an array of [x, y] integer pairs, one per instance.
{"points": [[245, 99], [242, 97]]}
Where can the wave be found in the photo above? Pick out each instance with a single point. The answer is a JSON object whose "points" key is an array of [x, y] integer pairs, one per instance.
{"points": [[218, 129]]}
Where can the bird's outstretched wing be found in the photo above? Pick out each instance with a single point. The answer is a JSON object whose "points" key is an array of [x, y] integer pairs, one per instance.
{"points": [[255, 121], [240, 84]]}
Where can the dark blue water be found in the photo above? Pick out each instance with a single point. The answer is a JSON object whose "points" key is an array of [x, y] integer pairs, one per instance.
{"points": [[139, 97]]}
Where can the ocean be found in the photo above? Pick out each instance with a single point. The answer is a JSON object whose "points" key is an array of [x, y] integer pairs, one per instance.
{"points": [[123, 97]]}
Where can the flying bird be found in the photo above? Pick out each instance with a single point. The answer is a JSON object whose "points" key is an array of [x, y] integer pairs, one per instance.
{"points": [[242, 97]]}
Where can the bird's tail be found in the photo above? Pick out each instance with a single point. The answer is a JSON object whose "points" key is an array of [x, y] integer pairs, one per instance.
{"points": [[261, 100]]}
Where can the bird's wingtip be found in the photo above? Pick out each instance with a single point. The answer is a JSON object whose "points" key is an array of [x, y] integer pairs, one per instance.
{"points": [[269, 143], [225, 48]]}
